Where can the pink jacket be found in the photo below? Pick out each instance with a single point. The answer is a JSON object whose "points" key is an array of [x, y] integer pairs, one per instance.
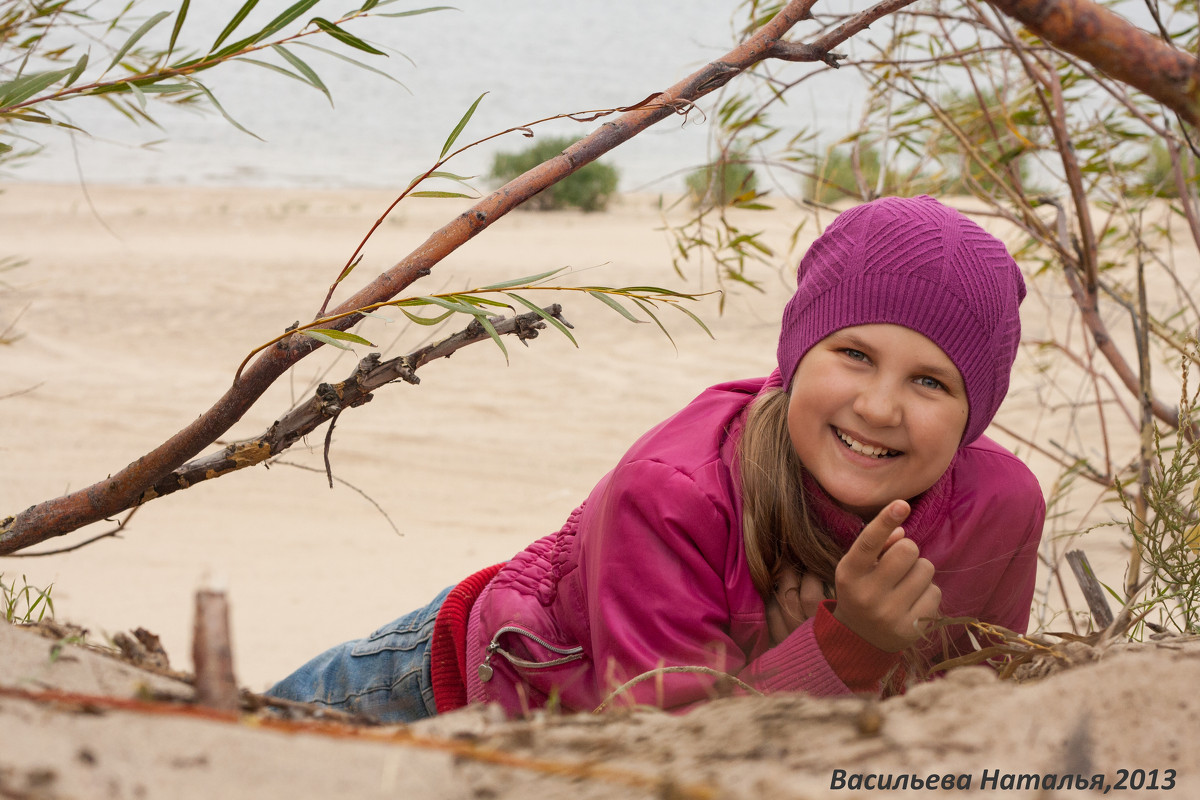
{"points": [[651, 571]]}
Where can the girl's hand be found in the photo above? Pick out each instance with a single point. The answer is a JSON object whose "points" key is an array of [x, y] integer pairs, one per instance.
{"points": [[884, 587], [796, 599]]}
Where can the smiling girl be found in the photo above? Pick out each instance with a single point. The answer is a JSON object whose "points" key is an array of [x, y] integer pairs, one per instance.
{"points": [[797, 532]]}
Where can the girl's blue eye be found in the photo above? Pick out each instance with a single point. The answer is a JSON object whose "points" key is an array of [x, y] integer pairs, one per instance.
{"points": [[857, 355], [930, 383]]}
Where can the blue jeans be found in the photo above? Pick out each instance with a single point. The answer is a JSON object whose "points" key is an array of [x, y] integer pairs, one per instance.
{"points": [[387, 675]]}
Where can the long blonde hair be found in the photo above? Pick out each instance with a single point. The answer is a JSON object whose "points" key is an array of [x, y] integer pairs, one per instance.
{"points": [[778, 530]]}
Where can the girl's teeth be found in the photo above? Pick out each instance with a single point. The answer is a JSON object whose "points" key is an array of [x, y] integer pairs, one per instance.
{"points": [[865, 449]]}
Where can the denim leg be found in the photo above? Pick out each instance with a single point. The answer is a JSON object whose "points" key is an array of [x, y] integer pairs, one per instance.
{"points": [[387, 675]]}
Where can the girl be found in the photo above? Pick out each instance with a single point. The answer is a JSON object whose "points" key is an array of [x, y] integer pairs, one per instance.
{"points": [[858, 465]]}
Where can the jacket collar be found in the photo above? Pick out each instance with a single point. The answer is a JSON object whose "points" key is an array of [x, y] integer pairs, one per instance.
{"points": [[928, 510]]}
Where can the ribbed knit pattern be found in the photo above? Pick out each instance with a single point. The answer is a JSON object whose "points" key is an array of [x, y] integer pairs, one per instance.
{"points": [[860, 664], [449, 646], [916, 263]]}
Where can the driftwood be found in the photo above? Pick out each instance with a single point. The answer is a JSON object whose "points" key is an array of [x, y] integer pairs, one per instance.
{"points": [[212, 653], [1093, 592]]}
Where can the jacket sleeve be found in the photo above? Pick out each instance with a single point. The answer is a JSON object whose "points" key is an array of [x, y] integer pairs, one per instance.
{"points": [[655, 558]]}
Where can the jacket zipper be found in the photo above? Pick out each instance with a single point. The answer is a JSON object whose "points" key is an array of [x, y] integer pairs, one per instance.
{"points": [[568, 654]]}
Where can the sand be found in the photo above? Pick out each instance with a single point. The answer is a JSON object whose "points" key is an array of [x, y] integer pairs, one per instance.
{"points": [[135, 309]]}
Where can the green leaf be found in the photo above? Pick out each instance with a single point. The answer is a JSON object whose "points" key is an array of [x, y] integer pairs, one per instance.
{"points": [[286, 18], [425, 320], [432, 193], [542, 313], [522, 281], [439, 174], [273, 67], [329, 340], [216, 104], [25, 87], [77, 70], [462, 123], [613, 304], [355, 62], [476, 300], [414, 12], [139, 95], [696, 319], [345, 37], [183, 9], [233, 23], [138, 34], [461, 308], [487, 326], [335, 337], [304, 69], [367, 6], [644, 306], [349, 268]]}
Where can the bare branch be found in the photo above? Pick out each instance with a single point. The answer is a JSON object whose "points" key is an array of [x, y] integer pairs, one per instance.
{"points": [[331, 400]]}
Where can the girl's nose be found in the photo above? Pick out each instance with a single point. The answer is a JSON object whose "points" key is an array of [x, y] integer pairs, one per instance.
{"points": [[876, 404]]}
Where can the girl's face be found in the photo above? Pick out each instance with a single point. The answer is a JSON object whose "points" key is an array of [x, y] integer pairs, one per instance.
{"points": [[876, 414]]}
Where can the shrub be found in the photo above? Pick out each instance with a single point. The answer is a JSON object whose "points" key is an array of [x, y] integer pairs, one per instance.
{"points": [[588, 189], [723, 182]]}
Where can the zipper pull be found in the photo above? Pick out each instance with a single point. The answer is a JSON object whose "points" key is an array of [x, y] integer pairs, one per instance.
{"points": [[485, 669]]}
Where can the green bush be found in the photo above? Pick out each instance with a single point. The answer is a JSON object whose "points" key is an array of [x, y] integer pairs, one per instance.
{"points": [[588, 189], [834, 177], [723, 182]]}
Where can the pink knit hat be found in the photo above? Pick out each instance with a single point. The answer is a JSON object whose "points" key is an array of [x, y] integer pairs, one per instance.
{"points": [[913, 262]]}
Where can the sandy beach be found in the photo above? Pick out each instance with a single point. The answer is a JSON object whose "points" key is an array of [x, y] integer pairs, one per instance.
{"points": [[134, 308]]}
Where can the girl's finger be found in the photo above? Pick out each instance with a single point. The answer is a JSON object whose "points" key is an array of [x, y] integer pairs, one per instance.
{"points": [[870, 543]]}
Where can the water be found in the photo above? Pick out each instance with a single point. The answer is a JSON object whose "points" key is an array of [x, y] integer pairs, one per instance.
{"points": [[534, 58]]}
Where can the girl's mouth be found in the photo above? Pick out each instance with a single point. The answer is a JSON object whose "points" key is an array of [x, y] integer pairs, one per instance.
{"points": [[864, 449]]}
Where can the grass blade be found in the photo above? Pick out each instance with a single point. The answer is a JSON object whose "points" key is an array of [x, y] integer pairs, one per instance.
{"points": [[462, 123]]}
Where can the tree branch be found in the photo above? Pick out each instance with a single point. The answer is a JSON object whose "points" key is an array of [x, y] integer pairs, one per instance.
{"points": [[1108, 41], [124, 489], [330, 400]]}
